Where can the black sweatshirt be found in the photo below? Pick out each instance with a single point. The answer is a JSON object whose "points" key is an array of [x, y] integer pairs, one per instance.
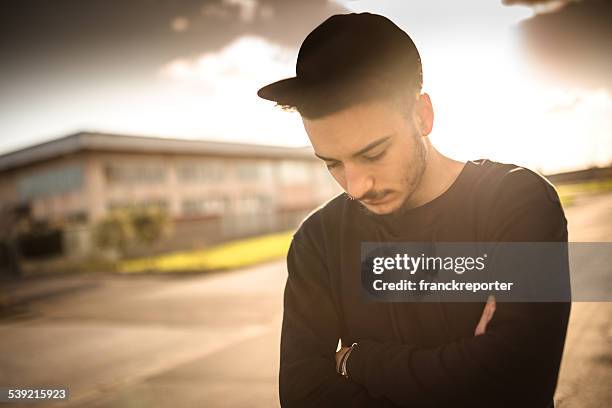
{"points": [[421, 354]]}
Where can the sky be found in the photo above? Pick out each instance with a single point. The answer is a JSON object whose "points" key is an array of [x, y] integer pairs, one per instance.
{"points": [[191, 69]]}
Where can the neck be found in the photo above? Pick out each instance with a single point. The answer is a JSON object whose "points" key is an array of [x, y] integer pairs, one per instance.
{"points": [[439, 174]]}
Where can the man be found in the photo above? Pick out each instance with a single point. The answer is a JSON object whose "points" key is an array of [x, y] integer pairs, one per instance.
{"points": [[358, 91]]}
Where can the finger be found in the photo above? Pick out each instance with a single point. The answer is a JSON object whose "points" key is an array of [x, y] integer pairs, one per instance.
{"points": [[487, 315], [490, 308]]}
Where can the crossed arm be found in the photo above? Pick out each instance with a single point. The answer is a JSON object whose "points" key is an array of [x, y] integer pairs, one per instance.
{"points": [[481, 327], [512, 359]]}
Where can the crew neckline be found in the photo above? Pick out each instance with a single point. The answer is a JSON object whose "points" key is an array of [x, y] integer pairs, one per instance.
{"points": [[444, 196]]}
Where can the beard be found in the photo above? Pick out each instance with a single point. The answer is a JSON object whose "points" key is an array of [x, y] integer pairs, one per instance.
{"points": [[411, 177]]}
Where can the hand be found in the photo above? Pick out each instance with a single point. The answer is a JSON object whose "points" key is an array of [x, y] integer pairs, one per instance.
{"points": [[485, 318], [487, 315], [339, 354]]}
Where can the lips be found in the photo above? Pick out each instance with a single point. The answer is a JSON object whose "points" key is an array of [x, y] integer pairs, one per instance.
{"points": [[383, 200]]}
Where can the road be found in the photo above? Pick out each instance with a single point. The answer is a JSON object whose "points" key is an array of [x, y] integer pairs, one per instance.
{"points": [[585, 379], [213, 340]]}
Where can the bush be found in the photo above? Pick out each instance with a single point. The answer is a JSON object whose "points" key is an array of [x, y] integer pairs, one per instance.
{"points": [[121, 229], [114, 232], [149, 224]]}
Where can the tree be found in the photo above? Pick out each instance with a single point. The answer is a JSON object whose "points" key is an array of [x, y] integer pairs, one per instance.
{"points": [[114, 232], [149, 224]]}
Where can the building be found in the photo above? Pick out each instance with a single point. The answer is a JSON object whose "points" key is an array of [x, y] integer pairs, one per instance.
{"points": [[213, 191]]}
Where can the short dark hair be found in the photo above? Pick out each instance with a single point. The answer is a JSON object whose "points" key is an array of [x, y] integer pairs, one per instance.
{"points": [[333, 97]]}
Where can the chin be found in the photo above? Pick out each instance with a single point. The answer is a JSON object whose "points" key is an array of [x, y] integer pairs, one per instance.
{"points": [[382, 209], [379, 211]]}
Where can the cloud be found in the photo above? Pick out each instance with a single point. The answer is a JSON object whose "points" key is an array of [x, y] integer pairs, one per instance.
{"points": [[221, 87], [243, 64], [179, 24], [572, 44], [246, 10]]}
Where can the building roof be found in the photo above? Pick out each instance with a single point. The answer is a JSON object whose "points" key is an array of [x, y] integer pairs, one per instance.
{"points": [[91, 141]]}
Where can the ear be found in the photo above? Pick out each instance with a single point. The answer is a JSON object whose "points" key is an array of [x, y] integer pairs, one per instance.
{"points": [[424, 114]]}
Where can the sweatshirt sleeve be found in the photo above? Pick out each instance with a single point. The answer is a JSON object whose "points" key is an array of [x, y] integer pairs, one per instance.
{"points": [[309, 338], [516, 362]]}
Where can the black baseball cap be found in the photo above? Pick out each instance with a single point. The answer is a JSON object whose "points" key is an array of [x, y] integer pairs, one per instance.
{"points": [[348, 47]]}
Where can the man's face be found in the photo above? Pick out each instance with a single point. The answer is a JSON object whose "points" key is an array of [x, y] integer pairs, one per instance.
{"points": [[374, 152]]}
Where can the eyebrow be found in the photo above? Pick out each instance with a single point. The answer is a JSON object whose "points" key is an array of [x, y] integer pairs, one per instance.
{"points": [[362, 151]]}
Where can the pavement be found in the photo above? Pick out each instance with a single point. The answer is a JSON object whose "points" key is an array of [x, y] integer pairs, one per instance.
{"points": [[585, 379], [213, 340], [120, 341]]}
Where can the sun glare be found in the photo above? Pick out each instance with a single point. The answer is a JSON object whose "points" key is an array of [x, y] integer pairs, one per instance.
{"points": [[488, 101]]}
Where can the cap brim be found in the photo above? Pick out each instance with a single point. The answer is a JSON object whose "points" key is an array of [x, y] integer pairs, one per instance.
{"points": [[283, 92]]}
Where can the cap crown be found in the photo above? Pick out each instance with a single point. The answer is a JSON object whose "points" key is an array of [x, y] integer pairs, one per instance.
{"points": [[356, 45]]}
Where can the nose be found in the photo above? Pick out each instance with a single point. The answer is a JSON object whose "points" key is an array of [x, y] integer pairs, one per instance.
{"points": [[358, 182]]}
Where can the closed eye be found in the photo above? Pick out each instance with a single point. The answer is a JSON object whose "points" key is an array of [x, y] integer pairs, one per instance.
{"points": [[375, 157], [332, 165]]}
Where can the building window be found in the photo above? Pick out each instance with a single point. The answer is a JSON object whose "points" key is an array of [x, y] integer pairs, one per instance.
{"points": [[135, 205], [200, 171], [50, 182], [248, 171], [260, 170], [251, 204], [203, 206], [295, 172], [134, 173]]}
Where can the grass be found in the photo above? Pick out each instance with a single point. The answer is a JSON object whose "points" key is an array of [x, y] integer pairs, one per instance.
{"points": [[235, 254], [568, 192]]}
